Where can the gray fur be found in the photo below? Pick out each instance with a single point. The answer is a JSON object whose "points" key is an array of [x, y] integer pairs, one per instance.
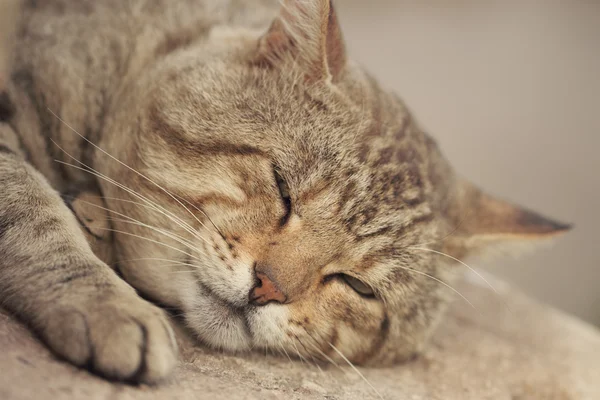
{"points": [[189, 106]]}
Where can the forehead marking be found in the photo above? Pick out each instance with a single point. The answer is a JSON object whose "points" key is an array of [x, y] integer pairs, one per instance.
{"points": [[175, 138]]}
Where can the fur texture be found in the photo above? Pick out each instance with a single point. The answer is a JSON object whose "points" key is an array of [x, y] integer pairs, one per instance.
{"points": [[229, 146]]}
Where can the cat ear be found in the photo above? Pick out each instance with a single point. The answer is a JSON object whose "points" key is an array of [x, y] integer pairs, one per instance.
{"points": [[308, 32], [484, 223]]}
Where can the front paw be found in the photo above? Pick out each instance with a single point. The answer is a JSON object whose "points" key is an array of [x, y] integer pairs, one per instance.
{"points": [[122, 337]]}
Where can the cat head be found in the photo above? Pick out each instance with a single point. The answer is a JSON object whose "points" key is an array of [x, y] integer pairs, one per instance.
{"points": [[283, 200]]}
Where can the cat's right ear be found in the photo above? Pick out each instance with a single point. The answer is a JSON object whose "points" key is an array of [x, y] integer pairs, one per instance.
{"points": [[484, 223], [306, 33]]}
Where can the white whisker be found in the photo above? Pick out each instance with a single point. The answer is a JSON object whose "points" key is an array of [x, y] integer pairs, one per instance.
{"points": [[179, 264], [283, 348], [162, 211], [467, 266], [316, 347], [168, 214], [148, 259], [174, 219], [150, 240], [128, 167], [458, 261], [203, 213], [296, 348], [355, 369], [174, 263], [131, 220], [464, 217], [177, 272], [441, 282], [298, 353], [306, 350], [166, 233]]}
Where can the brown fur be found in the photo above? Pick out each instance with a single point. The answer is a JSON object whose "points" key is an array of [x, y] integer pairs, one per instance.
{"points": [[203, 100]]}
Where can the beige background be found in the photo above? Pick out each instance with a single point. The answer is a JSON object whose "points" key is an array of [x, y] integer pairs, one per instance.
{"points": [[511, 89]]}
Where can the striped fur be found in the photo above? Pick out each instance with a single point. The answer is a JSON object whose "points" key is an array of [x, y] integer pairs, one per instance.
{"points": [[170, 121]]}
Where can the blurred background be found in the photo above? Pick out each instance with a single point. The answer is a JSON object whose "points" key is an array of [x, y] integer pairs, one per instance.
{"points": [[511, 91]]}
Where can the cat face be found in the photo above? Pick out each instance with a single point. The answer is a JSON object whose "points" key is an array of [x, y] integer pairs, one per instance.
{"points": [[285, 201]]}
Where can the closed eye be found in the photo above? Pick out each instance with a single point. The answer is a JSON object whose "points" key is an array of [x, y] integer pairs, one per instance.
{"points": [[356, 284], [284, 193], [359, 286]]}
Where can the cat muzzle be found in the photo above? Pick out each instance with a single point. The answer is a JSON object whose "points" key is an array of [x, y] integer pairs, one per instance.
{"points": [[265, 291]]}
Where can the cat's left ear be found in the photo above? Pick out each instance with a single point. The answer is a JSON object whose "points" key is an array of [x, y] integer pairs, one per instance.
{"points": [[306, 32], [483, 223]]}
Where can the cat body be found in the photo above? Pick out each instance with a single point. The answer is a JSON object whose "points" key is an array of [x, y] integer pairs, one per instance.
{"points": [[248, 174]]}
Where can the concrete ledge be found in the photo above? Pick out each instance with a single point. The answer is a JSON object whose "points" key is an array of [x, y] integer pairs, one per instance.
{"points": [[509, 348]]}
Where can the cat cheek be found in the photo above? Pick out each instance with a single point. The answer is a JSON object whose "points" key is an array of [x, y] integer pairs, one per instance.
{"points": [[217, 324], [230, 278], [268, 325]]}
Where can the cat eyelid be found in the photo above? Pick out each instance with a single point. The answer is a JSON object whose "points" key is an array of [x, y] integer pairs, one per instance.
{"points": [[284, 193], [361, 288]]}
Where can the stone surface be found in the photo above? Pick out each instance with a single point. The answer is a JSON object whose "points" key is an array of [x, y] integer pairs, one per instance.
{"points": [[509, 347]]}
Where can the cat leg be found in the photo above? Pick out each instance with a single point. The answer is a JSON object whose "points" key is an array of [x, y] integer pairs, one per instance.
{"points": [[51, 279], [90, 210]]}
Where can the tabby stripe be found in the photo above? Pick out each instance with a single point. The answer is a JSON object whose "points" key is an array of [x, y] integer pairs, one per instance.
{"points": [[24, 150], [196, 148], [41, 228], [5, 224], [7, 108], [193, 147], [381, 231], [227, 149], [384, 331], [317, 103], [425, 218], [36, 270], [335, 337], [75, 276], [48, 122], [6, 150]]}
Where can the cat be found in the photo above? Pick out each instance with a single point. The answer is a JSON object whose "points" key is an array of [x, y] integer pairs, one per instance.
{"points": [[229, 160]]}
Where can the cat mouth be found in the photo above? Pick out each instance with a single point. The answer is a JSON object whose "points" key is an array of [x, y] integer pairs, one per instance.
{"points": [[228, 311], [211, 293]]}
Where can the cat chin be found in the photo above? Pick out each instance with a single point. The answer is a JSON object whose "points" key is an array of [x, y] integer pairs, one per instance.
{"points": [[224, 326], [217, 323], [268, 325]]}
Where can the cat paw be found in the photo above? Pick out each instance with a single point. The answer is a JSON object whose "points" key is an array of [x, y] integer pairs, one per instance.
{"points": [[123, 338]]}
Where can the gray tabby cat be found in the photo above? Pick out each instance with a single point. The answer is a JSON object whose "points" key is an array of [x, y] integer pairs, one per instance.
{"points": [[249, 174]]}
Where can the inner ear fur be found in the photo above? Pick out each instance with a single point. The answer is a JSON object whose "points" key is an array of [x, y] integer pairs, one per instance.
{"points": [[308, 33], [482, 222]]}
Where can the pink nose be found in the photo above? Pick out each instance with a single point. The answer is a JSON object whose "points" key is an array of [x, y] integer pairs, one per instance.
{"points": [[266, 291]]}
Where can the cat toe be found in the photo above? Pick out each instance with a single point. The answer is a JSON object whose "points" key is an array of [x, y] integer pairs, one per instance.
{"points": [[122, 339]]}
